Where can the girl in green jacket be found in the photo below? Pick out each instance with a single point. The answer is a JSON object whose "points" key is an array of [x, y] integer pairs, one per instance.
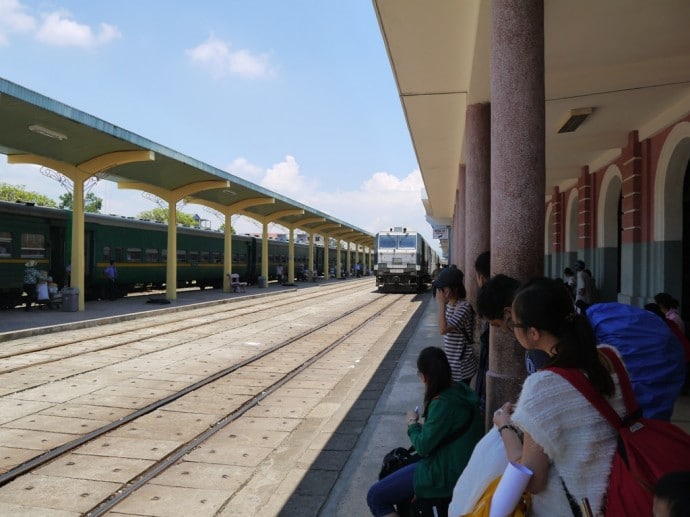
{"points": [[445, 441]]}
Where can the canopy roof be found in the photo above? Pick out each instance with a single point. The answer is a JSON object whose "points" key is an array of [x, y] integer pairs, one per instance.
{"points": [[627, 59], [33, 124]]}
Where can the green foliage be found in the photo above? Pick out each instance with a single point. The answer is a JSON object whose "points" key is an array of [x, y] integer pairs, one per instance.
{"points": [[92, 203], [221, 228], [19, 193], [160, 215]]}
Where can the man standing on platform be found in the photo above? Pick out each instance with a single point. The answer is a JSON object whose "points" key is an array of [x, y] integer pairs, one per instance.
{"points": [[111, 279]]}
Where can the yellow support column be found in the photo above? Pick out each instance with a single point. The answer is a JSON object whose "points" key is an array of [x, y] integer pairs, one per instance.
{"points": [[78, 278], [338, 259], [264, 253], [227, 259], [326, 257], [171, 265], [291, 257], [348, 259], [311, 254]]}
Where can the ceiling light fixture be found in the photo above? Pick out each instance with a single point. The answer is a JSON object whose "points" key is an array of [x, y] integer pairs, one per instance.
{"points": [[47, 132], [575, 118]]}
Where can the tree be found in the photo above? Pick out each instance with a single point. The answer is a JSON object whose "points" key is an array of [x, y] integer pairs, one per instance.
{"points": [[221, 228], [92, 203], [160, 215], [19, 193]]}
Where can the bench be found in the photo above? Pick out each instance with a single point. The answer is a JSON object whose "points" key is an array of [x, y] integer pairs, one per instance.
{"points": [[235, 283]]}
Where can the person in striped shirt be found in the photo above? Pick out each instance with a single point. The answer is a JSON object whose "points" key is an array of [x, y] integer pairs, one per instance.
{"points": [[456, 323]]}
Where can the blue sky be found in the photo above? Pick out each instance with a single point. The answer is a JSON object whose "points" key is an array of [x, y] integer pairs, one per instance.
{"points": [[297, 96]]}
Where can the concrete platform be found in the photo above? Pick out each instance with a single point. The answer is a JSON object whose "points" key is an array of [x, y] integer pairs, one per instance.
{"points": [[20, 323]]}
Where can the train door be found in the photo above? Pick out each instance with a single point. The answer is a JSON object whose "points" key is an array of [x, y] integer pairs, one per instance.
{"points": [[252, 260], [58, 255]]}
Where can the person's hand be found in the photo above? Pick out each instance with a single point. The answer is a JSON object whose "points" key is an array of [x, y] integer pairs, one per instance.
{"points": [[412, 416], [502, 415]]}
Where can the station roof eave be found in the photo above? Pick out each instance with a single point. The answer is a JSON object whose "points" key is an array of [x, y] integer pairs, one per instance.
{"points": [[64, 134], [627, 59]]}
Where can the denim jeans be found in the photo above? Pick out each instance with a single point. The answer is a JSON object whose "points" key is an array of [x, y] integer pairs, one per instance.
{"points": [[395, 488]]}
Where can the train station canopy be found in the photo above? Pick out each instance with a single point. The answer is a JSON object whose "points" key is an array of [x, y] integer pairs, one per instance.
{"points": [[32, 124], [628, 61]]}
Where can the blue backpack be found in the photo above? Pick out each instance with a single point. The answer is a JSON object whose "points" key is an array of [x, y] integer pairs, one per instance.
{"points": [[651, 352]]}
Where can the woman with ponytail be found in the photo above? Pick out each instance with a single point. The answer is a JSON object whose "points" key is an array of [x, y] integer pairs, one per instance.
{"points": [[553, 429]]}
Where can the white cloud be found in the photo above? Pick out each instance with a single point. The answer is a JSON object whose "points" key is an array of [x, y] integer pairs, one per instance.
{"points": [[218, 57], [242, 168], [58, 28], [285, 178], [14, 19]]}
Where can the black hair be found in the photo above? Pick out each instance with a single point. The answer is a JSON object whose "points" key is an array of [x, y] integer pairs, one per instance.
{"points": [[546, 304], [433, 364], [483, 264], [673, 488], [654, 308], [568, 271], [496, 294], [666, 300], [459, 289]]}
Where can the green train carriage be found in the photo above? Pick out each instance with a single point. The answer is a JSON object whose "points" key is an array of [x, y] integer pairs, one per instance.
{"points": [[138, 247]]}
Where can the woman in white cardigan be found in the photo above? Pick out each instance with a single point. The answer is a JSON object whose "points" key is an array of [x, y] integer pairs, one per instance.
{"points": [[553, 429]]}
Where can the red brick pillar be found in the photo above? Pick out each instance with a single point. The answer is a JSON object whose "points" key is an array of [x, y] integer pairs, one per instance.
{"points": [[477, 190], [585, 215], [633, 277], [556, 227], [517, 171]]}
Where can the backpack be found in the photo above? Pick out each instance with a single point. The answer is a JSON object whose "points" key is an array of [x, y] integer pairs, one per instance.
{"points": [[647, 448], [397, 459]]}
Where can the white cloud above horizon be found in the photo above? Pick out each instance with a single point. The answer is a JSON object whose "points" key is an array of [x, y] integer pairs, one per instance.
{"points": [[220, 59], [55, 28]]}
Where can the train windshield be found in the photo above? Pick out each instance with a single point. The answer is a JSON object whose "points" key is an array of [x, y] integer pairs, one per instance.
{"points": [[407, 241], [397, 241]]}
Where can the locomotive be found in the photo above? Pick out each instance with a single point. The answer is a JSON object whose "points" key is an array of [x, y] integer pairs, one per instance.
{"points": [[138, 247], [403, 261]]}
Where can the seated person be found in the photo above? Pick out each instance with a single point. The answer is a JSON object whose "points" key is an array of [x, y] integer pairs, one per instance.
{"points": [[445, 441]]}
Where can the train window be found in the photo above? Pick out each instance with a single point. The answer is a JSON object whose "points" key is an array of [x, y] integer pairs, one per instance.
{"points": [[194, 256], [33, 245], [387, 241], [133, 254], [215, 257], [407, 241], [151, 255], [118, 255], [106, 253], [205, 256], [182, 255], [5, 244]]}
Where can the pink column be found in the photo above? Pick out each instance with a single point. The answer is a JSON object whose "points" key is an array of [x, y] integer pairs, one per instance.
{"points": [[477, 190], [457, 255], [517, 170]]}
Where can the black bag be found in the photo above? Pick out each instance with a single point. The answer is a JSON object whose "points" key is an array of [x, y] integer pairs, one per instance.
{"points": [[397, 459]]}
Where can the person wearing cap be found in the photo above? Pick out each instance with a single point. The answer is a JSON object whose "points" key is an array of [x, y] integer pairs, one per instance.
{"points": [[31, 278], [456, 323]]}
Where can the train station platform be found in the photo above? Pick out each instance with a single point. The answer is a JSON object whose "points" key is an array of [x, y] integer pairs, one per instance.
{"points": [[341, 474], [17, 322]]}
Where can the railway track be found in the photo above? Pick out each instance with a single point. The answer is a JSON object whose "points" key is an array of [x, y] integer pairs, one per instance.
{"points": [[246, 380]]}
